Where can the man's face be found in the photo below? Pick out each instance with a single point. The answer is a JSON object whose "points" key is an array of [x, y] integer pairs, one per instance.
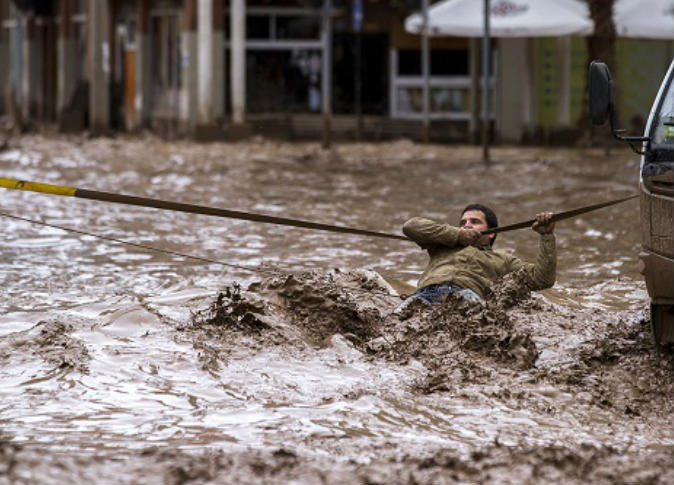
{"points": [[474, 219]]}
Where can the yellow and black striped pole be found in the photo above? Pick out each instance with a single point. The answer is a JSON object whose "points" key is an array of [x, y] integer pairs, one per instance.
{"points": [[250, 216], [180, 207]]}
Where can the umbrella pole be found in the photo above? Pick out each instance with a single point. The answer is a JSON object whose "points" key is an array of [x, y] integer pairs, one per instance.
{"points": [[486, 53], [425, 67], [326, 74]]}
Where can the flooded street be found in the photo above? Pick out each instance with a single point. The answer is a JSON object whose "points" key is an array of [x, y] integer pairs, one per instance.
{"points": [[121, 365]]}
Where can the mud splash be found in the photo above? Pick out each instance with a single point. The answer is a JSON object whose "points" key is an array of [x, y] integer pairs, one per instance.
{"points": [[463, 344], [620, 369], [49, 340], [20, 465], [311, 307], [467, 348]]}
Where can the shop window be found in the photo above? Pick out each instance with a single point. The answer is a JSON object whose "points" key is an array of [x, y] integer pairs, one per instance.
{"points": [[300, 27], [78, 7], [442, 100], [279, 27], [443, 62], [409, 63], [283, 81], [257, 27]]}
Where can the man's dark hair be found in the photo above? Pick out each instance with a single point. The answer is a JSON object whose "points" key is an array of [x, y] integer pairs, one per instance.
{"points": [[489, 216]]}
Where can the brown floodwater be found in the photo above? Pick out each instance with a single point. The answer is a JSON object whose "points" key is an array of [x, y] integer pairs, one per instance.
{"points": [[108, 373]]}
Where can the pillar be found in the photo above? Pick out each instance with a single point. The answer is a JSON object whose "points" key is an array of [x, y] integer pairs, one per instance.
{"points": [[188, 64], [98, 53], [205, 62], [210, 70], [218, 74], [143, 70], [4, 61], [514, 89], [563, 107], [474, 124], [65, 52], [531, 101], [238, 60], [29, 85], [425, 71]]}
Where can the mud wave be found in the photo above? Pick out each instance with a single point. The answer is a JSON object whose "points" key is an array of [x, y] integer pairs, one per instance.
{"points": [[50, 341], [462, 344], [311, 307], [492, 464]]}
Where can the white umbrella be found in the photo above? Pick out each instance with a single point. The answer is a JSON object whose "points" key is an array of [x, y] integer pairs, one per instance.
{"points": [[645, 19], [509, 18]]}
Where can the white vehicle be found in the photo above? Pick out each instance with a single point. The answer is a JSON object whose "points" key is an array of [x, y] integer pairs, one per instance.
{"points": [[656, 185]]}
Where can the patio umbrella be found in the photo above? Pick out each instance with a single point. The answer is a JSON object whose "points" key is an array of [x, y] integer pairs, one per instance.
{"points": [[645, 19], [508, 18]]}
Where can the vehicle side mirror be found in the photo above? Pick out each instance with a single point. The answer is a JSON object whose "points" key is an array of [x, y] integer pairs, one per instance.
{"points": [[601, 93]]}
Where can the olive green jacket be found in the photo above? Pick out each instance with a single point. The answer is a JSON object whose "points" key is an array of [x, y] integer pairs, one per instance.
{"points": [[476, 268]]}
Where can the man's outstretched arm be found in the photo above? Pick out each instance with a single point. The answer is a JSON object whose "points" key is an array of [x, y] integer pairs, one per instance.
{"points": [[427, 233], [544, 271]]}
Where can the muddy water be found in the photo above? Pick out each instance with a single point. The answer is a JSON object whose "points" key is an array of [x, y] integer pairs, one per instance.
{"points": [[122, 365]]}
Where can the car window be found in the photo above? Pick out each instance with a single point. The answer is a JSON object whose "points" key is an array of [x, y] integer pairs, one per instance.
{"points": [[657, 171], [663, 122]]}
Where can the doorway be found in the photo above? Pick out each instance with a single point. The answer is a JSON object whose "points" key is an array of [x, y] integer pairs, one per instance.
{"points": [[374, 72]]}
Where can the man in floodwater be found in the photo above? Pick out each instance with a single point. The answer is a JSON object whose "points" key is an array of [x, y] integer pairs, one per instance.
{"points": [[463, 262]]}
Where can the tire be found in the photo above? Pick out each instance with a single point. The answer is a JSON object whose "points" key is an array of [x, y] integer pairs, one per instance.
{"points": [[662, 325]]}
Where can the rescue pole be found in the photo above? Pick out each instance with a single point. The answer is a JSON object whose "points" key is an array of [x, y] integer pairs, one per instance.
{"points": [[559, 216], [255, 217], [181, 207]]}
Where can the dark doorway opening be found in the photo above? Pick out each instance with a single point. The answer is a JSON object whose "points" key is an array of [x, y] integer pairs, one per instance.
{"points": [[283, 81], [374, 73]]}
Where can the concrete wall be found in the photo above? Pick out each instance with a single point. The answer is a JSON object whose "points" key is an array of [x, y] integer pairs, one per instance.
{"points": [[188, 64], [513, 90]]}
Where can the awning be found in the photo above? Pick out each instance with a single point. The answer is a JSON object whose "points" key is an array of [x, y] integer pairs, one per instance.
{"points": [[645, 19], [509, 18]]}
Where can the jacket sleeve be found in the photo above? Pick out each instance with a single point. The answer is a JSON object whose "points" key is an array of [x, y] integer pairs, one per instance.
{"points": [[428, 233], [544, 272]]}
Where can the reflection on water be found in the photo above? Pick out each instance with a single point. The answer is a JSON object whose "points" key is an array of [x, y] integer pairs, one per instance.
{"points": [[143, 382]]}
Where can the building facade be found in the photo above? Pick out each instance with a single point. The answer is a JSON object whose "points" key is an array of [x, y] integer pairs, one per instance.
{"points": [[298, 68]]}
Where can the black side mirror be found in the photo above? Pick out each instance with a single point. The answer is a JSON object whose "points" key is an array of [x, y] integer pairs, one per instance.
{"points": [[602, 105], [601, 93]]}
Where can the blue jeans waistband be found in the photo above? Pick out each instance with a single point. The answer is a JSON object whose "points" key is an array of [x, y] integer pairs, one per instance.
{"points": [[436, 293]]}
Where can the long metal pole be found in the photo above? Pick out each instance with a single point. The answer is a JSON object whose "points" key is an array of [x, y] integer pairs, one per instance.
{"points": [[425, 68], [63, 190], [560, 216], [181, 207], [486, 54], [357, 22]]}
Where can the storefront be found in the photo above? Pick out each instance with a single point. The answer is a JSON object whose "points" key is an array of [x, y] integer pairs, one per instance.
{"points": [[450, 80], [284, 52]]}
